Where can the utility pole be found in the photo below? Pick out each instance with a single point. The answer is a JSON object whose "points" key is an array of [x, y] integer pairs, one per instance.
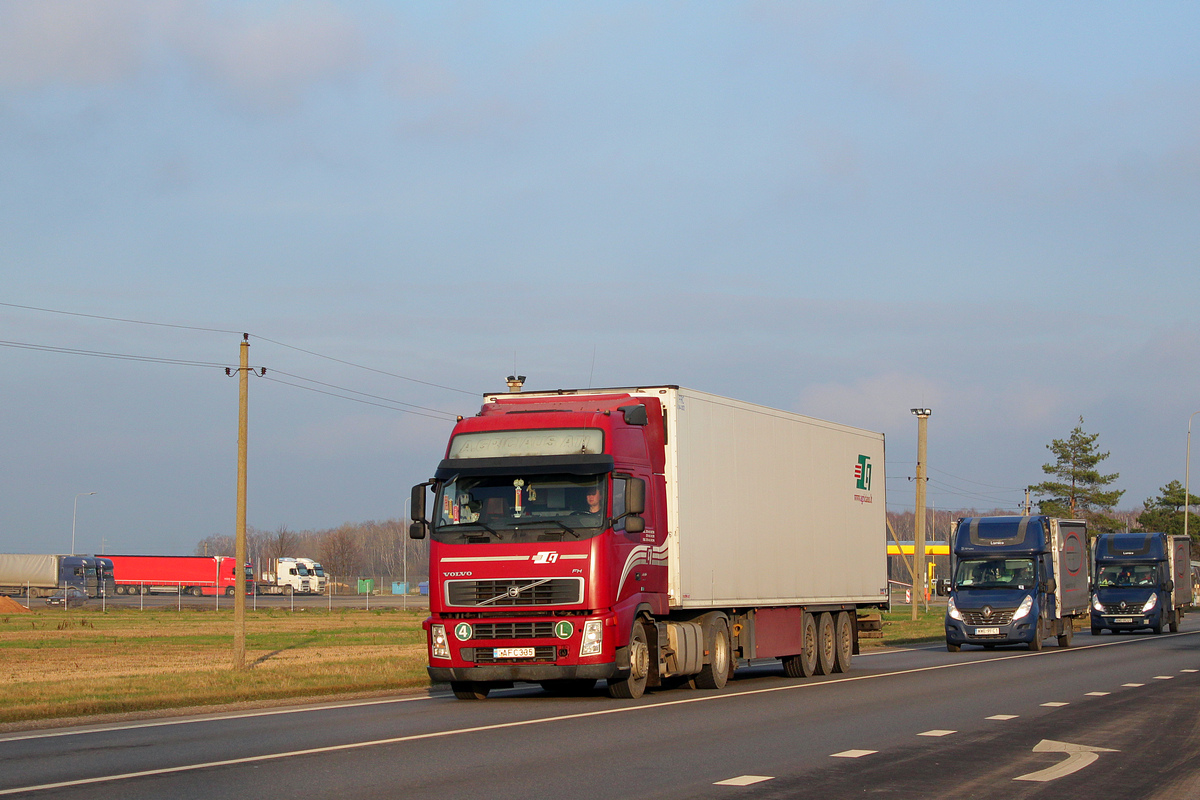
{"points": [[922, 415], [239, 583]]}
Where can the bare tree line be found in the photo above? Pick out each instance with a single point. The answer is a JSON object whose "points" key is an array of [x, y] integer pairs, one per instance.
{"points": [[350, 551]]}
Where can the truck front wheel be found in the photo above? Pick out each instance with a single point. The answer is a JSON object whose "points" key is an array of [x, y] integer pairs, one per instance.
{"points": [[953, 648], [1038, 635], [469, 690], [715, 674], [633, 685]]}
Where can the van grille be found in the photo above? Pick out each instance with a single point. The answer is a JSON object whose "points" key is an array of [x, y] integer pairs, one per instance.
{"points": [[997, 617], [515, 592]]}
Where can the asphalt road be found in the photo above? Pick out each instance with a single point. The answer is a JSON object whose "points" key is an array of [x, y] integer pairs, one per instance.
{"points": [[906, 724]]}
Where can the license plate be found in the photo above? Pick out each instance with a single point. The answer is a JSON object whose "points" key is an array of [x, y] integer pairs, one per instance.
{"points": [[1123, 619], [513, 652], [987, 631]]}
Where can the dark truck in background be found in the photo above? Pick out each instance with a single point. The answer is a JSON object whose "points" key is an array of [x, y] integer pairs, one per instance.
{"points": [[1016, 580], [1142, 580]]}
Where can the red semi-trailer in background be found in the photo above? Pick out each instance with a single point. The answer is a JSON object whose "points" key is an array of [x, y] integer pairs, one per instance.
{"points": [[647, 536], [194, 575]]}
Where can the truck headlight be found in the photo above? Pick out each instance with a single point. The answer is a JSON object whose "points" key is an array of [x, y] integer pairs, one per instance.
{"points": [[1023, 609], [1096, 604], [593, 637], [441, 647], [1150, 604], [952, 610]]}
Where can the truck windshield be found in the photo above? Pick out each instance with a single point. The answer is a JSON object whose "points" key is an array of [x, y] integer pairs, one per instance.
{"points": [[996, 573], [1125, 575], [520, 508]]}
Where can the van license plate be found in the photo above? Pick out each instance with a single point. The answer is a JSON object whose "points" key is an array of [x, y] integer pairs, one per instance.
{"points": [[987, 631], [1123, 619], [513, 652]]}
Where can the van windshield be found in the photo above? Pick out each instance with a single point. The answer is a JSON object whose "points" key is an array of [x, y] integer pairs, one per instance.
{"points": [[1125, 575], [996, 573], [520, 508]]}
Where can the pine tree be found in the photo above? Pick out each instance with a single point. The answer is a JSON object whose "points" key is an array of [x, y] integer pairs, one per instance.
{"points": [[1164, 513], [1078, 491]]}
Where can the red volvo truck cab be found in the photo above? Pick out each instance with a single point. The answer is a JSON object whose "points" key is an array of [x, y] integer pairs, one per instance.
{"points": [[643, 535]]}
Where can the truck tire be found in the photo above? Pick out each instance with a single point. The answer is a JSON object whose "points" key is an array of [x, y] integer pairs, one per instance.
{"points": [[805, 664], [1157, 629], [826, 644], [1038, 636], [844, 633], [229, 591], [953, 648], [1173, 625], [633, 685], [289, 591], [715, 674], [33, 593], [1095, 631], [1064, 638], [469, 690]]}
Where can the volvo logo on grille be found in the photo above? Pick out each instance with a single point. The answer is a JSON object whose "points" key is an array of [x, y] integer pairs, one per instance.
{"points": [[987, 611]]}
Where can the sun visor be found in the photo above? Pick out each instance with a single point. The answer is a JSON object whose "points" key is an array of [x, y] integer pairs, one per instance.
{"points": [[574, 464]]}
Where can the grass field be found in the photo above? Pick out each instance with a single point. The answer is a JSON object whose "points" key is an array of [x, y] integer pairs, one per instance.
{"points": [[82, 662]]}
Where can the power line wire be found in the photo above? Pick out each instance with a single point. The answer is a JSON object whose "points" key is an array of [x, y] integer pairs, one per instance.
{"points": [[118, 319], [355, 399], [119, 356]]}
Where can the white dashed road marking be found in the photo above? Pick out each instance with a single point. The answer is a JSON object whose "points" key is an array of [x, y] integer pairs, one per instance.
{"points": [[1055, 704], [854, 753], [1163, 677], [1133, 685], [936, 733], [1098, 694], [1003, 716], [744, 780]]}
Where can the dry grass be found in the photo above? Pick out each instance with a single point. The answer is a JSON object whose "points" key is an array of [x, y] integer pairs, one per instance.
{"points": [[82, 662]]}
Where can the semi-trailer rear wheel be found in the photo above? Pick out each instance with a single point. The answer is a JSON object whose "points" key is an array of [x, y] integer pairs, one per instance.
{"points": [[469, 690], [633, 685], [826, 644], [844, 632], [805, 664], [715, 674]]}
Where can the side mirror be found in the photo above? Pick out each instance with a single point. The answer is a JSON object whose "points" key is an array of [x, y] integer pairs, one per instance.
{"points": [[942, 587], [635, 524], [419, 527], [635, 496], [1169, 585], [1049, 585]]}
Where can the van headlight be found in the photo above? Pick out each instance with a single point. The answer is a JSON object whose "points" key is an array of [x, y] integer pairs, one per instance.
{"points": [[441, 647], [1023, 609], [1150, 604], [1096, 604], [593, 637], [952, 610]]}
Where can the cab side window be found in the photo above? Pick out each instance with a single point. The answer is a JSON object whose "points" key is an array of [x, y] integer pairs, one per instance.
{"points": [[618, 501]]}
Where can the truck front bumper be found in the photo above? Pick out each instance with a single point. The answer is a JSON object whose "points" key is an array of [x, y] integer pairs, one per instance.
{"points": [[522, 672]]}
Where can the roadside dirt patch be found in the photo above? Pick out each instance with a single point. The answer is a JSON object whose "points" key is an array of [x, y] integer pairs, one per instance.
{"points": [[7, 605]]}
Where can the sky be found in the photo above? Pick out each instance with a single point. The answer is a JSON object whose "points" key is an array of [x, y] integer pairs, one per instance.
{"points": [[845, 210]]}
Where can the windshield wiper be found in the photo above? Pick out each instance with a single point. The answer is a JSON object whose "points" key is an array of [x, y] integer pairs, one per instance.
{"points": [[564, 527], [483, 525]]}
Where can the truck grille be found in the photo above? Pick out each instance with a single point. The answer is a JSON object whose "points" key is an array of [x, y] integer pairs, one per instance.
{"points": [[1130, 608], [995, 618], [515, 592], [485, 655], [512, 630]]}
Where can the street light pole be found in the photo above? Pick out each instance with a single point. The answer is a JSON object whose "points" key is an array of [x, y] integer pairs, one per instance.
{"points": [[922, 415], [404, 544], [75, 513], [1187, 465]]}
